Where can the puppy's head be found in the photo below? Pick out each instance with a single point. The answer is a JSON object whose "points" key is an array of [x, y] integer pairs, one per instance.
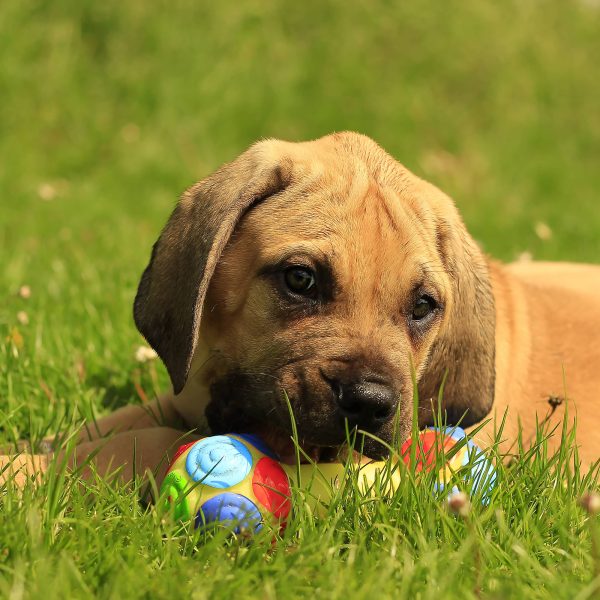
{"points": [[327, 275]]}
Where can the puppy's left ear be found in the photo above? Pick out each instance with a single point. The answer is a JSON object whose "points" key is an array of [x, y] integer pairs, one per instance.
{"points": [[168, 305], [464, 351]]}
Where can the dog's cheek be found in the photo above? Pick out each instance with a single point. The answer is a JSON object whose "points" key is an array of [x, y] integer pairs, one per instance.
{"points": [[421, 342]]}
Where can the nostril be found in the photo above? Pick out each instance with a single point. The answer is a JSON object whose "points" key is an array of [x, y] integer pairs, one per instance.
{"points": [[383, 413], [366, 403], [338, 390], [351, 409]]}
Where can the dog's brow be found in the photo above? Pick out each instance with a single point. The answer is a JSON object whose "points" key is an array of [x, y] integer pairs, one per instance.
{"points": [[431, 268], [426, 274], [307, 250]]}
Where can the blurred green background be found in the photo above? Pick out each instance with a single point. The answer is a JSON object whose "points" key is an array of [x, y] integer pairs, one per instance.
{"points": [[108, 110]]}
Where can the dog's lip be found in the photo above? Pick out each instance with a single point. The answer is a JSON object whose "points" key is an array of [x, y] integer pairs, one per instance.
{"points": [[287, 450]]}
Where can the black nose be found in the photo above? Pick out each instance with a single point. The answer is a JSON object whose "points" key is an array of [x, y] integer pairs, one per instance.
{"points": [[366, 404]]}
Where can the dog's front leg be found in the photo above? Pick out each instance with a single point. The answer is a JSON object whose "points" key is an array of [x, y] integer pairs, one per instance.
{"points": [[121, 456], [159, 413]]}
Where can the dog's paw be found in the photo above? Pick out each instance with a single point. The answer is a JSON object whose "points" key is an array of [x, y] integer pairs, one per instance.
{"points": [[45, 446], [21, 468]]}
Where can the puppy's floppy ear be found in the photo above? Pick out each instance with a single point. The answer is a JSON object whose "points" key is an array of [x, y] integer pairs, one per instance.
{"points": [[464, 351], [170, 296]]}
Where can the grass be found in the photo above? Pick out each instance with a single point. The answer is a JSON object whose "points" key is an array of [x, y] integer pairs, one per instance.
{"points": [[110, 109]]}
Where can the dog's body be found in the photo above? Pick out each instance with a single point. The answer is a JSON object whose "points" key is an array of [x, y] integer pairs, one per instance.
{"points": [[547, 351], [328, 274]]}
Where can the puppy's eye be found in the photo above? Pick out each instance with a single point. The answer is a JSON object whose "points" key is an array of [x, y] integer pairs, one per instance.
{"points": [[300, 280], [423, 307]]}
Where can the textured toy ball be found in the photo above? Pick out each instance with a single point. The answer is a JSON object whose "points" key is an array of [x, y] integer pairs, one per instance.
{"points": [[432, 442], [231, 479], [236, 479]]}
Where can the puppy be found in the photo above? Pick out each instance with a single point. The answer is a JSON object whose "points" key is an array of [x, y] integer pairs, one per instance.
{"points": [[326, 275], [326, 278]]}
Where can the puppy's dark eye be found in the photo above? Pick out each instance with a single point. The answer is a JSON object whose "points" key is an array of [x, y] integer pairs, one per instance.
{"points": [[300, 280], [423, 307]]}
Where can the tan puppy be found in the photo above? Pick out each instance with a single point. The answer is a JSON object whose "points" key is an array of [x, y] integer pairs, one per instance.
{"points": [[326, 273]]}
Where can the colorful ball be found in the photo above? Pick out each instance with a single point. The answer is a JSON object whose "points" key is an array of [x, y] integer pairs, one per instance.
{"points": [[434, 441], [233, 480]]}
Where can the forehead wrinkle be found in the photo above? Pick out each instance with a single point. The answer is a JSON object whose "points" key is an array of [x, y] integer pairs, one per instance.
{"points": [[419, 229], [387, 205], [353, 194], [374, 249]]}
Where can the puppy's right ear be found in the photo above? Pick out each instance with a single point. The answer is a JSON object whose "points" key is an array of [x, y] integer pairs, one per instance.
{"points": [[170, 296]]}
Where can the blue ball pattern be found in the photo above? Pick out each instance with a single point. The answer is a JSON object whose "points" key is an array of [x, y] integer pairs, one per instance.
{"points": [[482, 471], [218, 461], [230, 509]]}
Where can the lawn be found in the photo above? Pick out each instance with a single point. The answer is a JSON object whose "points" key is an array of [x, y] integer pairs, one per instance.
{"points": [[108, 110]]}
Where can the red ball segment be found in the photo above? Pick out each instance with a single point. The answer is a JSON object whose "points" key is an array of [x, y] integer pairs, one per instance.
{"points": [[426, 445], [271, 487]]}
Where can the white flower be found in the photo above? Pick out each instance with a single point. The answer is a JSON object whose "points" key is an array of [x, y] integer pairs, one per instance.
{"points": [[590, 502], [525, 257], [46, 191], [144, 354], [543, 231], [25, 292], [459, 504]]}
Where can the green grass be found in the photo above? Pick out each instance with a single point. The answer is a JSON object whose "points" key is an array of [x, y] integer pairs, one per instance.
{"points": [[109, 109]]}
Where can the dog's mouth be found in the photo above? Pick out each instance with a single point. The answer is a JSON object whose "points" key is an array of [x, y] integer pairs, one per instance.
{"points": [[289, 451], [288, 448], [333, 447]]}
